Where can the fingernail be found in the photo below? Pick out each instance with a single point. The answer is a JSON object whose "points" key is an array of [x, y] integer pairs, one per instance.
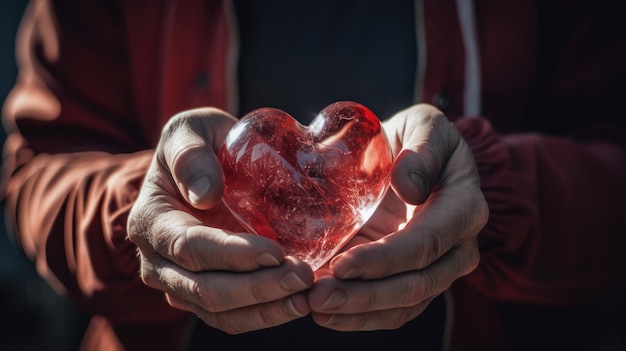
{"points": [[266, 259], [336, 299], [417, 180], [334, 319], [198, 188], [289, 308], [292, 282], [353, 273]]}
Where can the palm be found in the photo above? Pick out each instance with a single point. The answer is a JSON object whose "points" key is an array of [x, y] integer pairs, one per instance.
{"points": [[216, 217], [392, 214], [219, 217]]}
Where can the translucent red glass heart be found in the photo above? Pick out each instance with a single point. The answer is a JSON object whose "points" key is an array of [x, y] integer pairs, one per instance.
{"points": [[311, 188]]}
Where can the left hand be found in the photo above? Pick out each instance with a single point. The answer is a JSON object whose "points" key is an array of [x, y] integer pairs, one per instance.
{"points": [[422, 237]]}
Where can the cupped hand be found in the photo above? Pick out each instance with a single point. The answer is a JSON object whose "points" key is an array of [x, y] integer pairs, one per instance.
{"points": [[193, 249], [422, 237]]}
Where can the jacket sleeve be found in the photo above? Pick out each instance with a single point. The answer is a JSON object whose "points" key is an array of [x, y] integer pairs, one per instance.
{"points": [[74, 159], [555, 183], [557, 205]]}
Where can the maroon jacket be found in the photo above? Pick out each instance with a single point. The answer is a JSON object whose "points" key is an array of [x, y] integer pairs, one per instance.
{"points": [[98, 79]]}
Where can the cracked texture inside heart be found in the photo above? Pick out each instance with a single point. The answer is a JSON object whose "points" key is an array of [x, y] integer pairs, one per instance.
{"points": [[310, 188]]}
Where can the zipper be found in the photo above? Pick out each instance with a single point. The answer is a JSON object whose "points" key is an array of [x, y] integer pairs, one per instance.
{"points": [[232, 59], [448, 301], [472, 84], [420, 36]]}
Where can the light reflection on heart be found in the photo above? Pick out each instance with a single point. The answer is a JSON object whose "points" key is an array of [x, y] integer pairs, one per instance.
{"points": [[310, 188]]}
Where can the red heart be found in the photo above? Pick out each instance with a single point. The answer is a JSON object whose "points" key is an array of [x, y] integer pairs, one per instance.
{"points": [[310, 188]]}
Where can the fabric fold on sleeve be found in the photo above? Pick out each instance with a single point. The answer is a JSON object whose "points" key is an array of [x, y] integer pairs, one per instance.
{"points": [[530, 183], [78, 236]]}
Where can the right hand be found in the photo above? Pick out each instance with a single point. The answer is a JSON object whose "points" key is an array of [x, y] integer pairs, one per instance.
{"points": [[193, 249]]}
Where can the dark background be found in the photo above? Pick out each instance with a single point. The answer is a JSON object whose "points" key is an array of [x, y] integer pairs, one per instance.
{"points": [[32, 316]]}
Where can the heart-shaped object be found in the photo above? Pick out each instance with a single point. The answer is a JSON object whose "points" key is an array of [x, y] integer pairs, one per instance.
{"points": [[310, 188]]}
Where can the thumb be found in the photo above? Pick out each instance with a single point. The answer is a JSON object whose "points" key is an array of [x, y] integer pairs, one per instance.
{"points": [[423, 140], [189, 144]]}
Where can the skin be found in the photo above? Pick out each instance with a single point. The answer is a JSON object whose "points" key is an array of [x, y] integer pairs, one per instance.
{"points": [[421, 239]]}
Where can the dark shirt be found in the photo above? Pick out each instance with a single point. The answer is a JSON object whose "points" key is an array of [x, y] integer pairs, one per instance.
{"points": [[300, 56]]}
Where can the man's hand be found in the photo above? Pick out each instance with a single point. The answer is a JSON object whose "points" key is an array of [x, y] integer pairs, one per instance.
{"points": [[420, 240], [192, 248]]}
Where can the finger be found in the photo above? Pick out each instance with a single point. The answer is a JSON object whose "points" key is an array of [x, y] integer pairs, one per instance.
{"points": [[222, 291], [377, 320], [250, 318], [456, 210], [190, 141], [331, 295], [435, 229], [163, 223], [184, 240], [423, 139], [199, 248]]}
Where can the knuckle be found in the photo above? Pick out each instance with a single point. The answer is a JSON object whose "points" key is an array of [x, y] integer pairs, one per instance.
{"points": [[428, 113], [177, 138], [225, 323], [222, 254], [431, 285], [472, 257], [148, 279], [258, 292], [483, 213], [399, 319], [174, 124], [188, 120], [149, 276], [268, 317], [137, 225], [396, 323], [230, 329], [419, 288], [132, 227], [178, 250], [386, 266], [209, 299], [181, 247], [432, 248], [232, 324], [365, 321], [372, 297]]}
